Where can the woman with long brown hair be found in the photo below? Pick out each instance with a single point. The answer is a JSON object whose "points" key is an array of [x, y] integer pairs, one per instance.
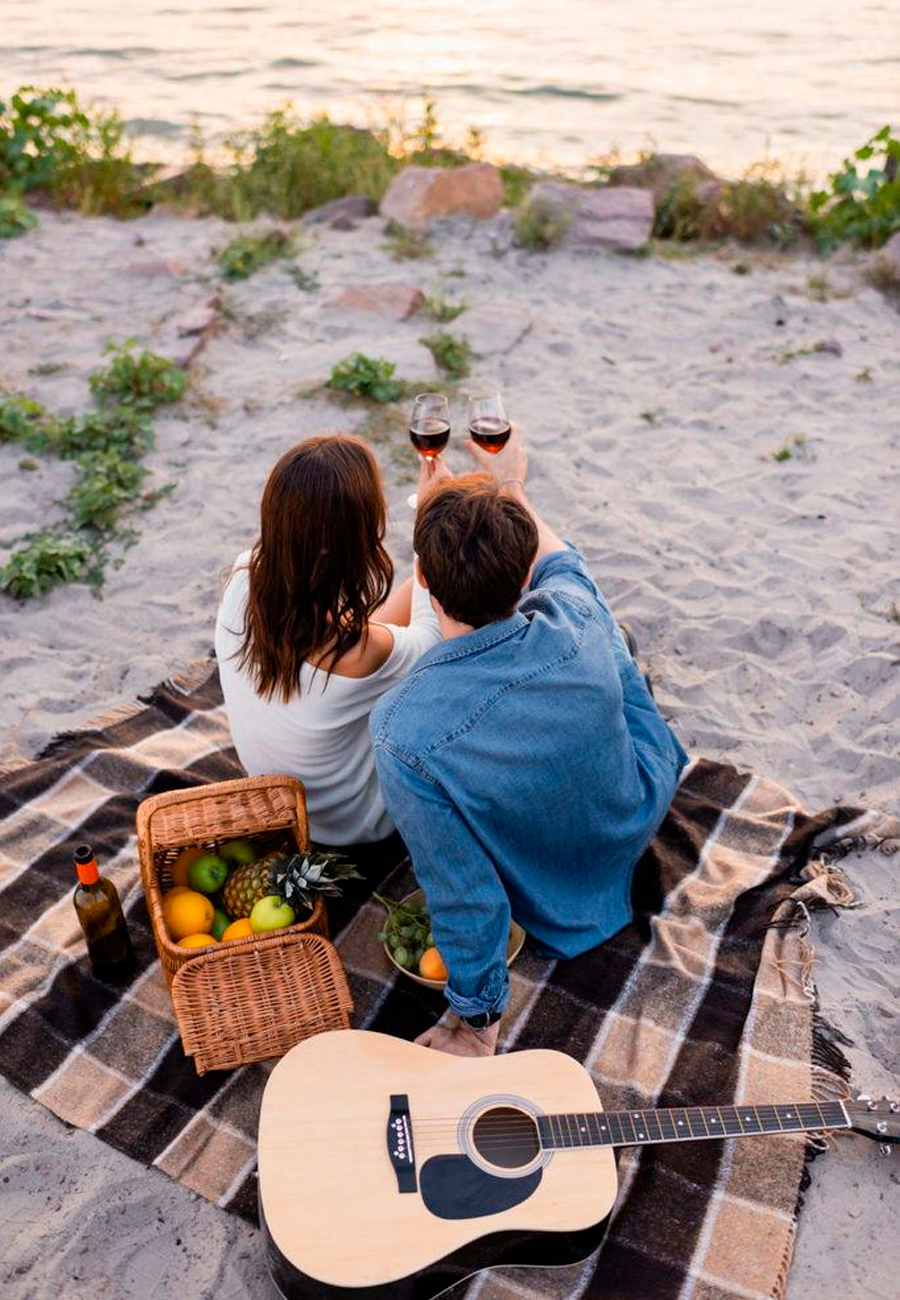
{"points": [[309, 634]]}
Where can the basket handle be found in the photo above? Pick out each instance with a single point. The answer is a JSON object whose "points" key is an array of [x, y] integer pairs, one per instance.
{"points": [[148, 808]]}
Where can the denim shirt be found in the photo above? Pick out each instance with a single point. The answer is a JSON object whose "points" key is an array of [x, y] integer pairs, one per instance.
{"points": [[527, 768]]}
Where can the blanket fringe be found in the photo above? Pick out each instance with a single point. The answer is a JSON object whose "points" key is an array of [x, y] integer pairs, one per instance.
{"points": [[183, 683], [869, 830]]}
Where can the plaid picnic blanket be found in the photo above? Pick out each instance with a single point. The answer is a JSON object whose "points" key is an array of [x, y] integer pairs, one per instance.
{"points": [[705, 998]]}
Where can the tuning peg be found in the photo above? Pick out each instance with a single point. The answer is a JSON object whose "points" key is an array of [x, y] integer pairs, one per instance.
{"points": [[871, 1105], [894, 1107], [884, 1148], [881, 1127]]}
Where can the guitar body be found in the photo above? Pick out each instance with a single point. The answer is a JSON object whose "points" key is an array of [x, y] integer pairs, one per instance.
{"points": [[389, 1171]]}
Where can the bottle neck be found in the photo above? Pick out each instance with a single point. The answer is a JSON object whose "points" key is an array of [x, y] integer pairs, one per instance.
{"points": [[88, 871]]}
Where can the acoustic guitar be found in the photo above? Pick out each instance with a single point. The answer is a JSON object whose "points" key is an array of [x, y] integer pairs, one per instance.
{"points": [[389, 1171]]}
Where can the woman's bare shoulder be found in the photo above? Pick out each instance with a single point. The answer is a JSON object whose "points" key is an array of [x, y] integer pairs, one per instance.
{"points": [[371, 654]]}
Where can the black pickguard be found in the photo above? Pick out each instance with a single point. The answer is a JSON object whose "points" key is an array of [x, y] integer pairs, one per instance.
{"points": [[453, 1187]]}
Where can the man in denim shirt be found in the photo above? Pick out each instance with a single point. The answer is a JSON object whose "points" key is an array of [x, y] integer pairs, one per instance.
{"points": [[523, 759]]}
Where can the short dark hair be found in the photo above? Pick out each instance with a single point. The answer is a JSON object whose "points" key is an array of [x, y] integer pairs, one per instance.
{"points": [[475, 547]]}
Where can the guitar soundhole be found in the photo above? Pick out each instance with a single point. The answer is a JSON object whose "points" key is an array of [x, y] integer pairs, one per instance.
{"points": [[506, 1137]]}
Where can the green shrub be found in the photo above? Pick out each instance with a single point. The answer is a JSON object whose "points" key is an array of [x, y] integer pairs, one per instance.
{"points": [[517, 181], [453, 355], [285, 168], [20, 419], [540, 225], [862, 207], [366, 377], [44, 561], [143, 380], [50, 142], [108, 482], [759, 209], [437, 308], [15, 218], [247, 254]]}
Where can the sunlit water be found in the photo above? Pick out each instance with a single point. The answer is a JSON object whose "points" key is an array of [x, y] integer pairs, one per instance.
{"points": [[563, 82]]}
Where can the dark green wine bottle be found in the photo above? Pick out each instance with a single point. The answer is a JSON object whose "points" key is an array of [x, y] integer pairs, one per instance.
{"points": [[102, 920]]}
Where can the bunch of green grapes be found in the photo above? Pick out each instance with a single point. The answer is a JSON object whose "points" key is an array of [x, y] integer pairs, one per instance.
{"points": [[407, 931]]}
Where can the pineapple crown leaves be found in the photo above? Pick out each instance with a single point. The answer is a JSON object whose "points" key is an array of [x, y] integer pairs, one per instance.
{"points": [[298, 877]]}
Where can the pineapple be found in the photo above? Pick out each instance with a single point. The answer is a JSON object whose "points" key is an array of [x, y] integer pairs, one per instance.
{"points": [[246, 885], [296, 878]]}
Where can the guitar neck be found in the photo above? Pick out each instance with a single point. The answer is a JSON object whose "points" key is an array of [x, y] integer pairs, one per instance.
{"points": [[628, 1128]]}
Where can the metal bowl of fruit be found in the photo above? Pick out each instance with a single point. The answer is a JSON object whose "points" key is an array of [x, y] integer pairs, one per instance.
{"points": [[409, 943]]}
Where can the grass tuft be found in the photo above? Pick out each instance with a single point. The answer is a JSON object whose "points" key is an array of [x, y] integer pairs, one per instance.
{"points": [[453, 355], [540, 225], [247, 254]]}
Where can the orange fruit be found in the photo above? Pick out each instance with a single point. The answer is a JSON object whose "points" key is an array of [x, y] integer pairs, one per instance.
{"points": [[431, 965], [176, 889], [182, 862], [241, 929], [196, 941], [187, 912]]}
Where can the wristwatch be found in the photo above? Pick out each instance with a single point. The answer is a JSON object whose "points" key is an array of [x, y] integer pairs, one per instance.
{"points": [[482, 1020]]}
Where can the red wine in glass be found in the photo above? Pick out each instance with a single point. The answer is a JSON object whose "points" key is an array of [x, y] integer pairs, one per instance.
{"points": [[429, 434], [490, 432]]}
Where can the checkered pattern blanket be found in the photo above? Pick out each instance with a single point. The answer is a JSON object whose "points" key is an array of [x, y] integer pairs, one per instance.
{"points": [[705, 998]]}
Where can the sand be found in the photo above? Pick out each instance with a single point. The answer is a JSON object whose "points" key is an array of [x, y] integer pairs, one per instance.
{"points": [[654, 394]]}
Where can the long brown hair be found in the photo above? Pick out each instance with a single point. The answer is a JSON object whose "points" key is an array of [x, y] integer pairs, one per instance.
{"points": [[319, 567]]}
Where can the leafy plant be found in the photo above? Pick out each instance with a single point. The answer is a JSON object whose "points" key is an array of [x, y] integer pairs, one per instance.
{"points": [[540, 225], [246, 254], [15, 218], [862, 206], [107, 445], [108, 483], [20, 419], [437, 308], [143, 380], [46, 560], [453, 355], [366, 377], [517, 181], [49, 141]]}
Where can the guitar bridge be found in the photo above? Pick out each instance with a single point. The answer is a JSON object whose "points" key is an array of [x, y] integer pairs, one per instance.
{"points": [[400, 1143]]}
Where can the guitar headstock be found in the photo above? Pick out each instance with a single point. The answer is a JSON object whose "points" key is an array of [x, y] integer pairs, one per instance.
{"points": [[879, 1120]]}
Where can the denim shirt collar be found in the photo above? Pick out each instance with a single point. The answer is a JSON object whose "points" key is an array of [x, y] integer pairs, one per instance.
{"points": [[459, 647]]}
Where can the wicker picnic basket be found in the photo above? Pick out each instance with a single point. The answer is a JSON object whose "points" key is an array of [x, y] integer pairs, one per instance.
{"points": [[251, 998]]}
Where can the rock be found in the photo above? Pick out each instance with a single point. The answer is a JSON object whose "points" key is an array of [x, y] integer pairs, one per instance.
{"points": [[662, 170], [188, 334], [157, 266], [200, 318], [393, 301], [339, 212], [780, 310], [832, 346], [496, 328], [618, 217], [418, 194]]}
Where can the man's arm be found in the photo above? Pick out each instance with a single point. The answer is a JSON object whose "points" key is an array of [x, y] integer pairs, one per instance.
{"points": [[510, 468], [467, 902]]}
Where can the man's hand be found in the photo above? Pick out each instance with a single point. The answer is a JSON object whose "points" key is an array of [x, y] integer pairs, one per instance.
{"points": [[509, 463], [431, 472], [459, 1039]]}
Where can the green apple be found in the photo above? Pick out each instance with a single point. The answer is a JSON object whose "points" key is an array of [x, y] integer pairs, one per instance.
{"points": [[237, 853], [221, 922], [271, 913], [207, 874]]}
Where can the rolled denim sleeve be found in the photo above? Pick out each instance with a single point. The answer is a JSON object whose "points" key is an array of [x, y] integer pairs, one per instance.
{"points": [[468, 905], [562, 570]]}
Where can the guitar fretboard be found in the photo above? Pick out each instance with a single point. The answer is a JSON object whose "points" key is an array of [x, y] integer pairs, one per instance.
{"points": [[625, 1128]]}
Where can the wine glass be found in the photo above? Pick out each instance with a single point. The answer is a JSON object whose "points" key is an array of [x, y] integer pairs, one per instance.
{"points": [[429, 429], [489, 428]]}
